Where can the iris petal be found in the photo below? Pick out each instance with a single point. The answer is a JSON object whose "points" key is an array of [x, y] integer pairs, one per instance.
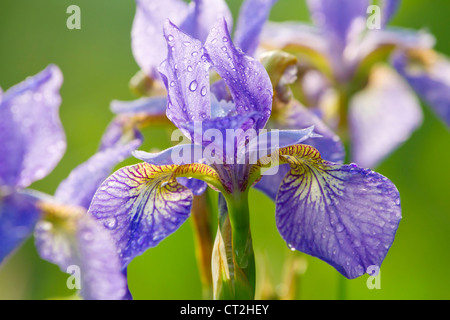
{"points": [[342, 214], [429, 79], [143, 204], [148, 44], [248, 81], [82, 245], [382, 117], [203, 14], [252, 16], [185, 73], [18, 217], [33, 140]]}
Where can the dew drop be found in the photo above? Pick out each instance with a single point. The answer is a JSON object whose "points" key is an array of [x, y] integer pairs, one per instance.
{"points": [[172, 83], [213, 40], [339, 227], [189, 68], [203, 91], [225, 39], [193, 86], [111, 223], [224, 49], [291, 247], [170, 37], [186, 43]]}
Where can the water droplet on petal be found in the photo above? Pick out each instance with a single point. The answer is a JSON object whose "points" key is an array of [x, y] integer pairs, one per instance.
{"points": [[193, 86], [291, 247], [339, 227], [170, 37], [189, 68], [203, 91], [225, 39], [111, 223]]}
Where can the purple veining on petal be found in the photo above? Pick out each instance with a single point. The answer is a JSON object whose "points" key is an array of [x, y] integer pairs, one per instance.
{"points": [[33, 140], [252, 16], [342, 214], [246, 78], [141, 205]]}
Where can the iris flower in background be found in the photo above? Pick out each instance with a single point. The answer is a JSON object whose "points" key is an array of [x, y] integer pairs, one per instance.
{"points": [[32, 142], [344, 77], [343, 214]]}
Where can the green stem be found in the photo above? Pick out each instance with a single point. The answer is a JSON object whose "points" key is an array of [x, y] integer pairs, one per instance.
{"points": [[242, 247]]}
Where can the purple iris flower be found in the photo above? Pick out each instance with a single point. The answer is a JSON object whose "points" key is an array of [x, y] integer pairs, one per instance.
{"points": [[32, 142], [343, 75], [195, 18], [343, 214]]}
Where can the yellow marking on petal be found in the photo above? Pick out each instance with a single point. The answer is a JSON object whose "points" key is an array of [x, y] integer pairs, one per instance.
{"points": [[168, 173]]}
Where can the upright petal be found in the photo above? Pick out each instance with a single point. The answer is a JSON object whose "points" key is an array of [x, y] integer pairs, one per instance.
{"points": [[246, 77], [252, 16], [148, 44], [203, 14], [342, 214], [35, 140], [428, 74], [18, 217], [338, 18], [186, 78], [382, 117]]}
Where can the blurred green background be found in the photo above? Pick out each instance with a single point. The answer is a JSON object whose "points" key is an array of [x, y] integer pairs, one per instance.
{"points": [[97, 64]]}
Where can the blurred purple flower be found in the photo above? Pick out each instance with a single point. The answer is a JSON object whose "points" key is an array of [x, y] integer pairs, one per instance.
{"points": [[341, 68], [343, 214], [32, 142]]}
